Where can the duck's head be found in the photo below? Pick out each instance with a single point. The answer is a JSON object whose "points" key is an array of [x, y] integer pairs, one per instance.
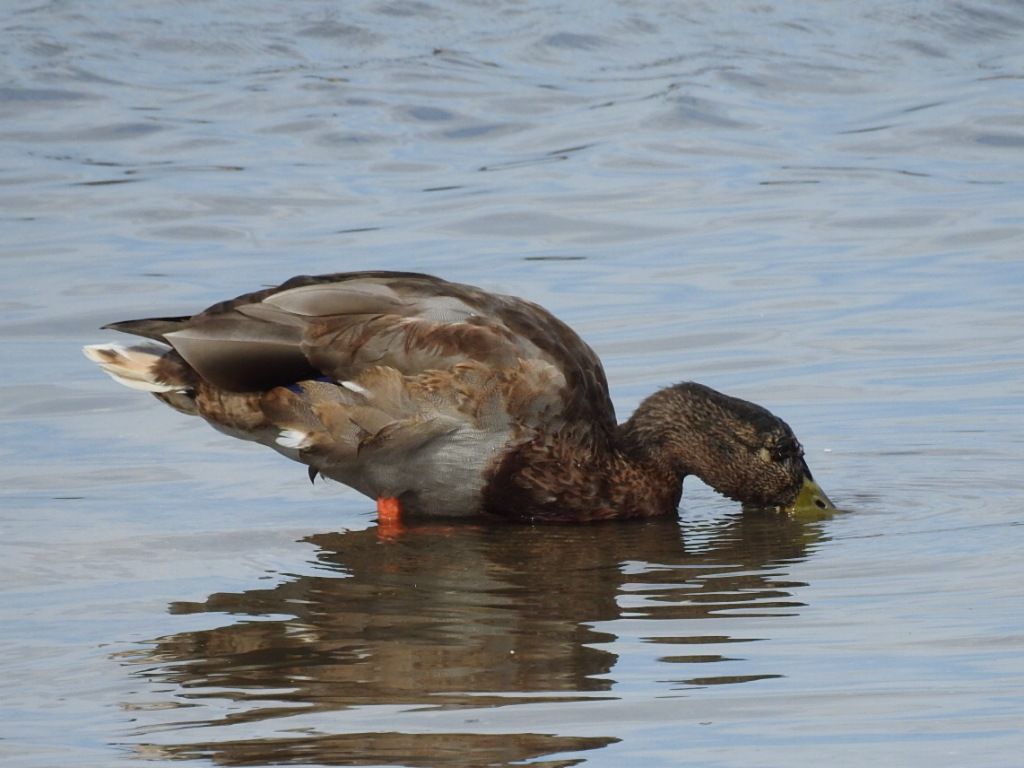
{"points": [[740, 449]]}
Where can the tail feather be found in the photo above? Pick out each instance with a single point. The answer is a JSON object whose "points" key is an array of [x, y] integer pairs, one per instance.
{"points": [[135, 367], [151, 328]]}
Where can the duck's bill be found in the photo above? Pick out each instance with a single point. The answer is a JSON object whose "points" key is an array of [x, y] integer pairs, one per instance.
{"points": [[811, 500]]}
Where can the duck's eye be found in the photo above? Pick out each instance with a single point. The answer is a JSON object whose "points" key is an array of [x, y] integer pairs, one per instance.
{"points": [[788, 448]]}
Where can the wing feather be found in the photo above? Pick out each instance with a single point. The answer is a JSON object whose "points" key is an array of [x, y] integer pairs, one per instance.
{"points": [[342, 325]]}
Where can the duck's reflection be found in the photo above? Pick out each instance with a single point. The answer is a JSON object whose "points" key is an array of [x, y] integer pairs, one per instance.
{"points": [[464, 616]]}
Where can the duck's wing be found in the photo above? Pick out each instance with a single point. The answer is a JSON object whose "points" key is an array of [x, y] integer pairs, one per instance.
{"points": [[342, 325]]}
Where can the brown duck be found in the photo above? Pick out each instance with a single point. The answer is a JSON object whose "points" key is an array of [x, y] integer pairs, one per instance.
{"points": [[436, 398]]}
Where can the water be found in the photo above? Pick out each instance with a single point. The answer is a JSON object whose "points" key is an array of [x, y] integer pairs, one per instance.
{"points": [[812, 206]]}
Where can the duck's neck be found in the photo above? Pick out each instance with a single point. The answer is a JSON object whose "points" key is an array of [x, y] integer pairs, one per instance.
{"points": [[686, 429]]}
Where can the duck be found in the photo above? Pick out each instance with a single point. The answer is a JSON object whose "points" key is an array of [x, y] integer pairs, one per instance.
{"points": [[438, 399]]}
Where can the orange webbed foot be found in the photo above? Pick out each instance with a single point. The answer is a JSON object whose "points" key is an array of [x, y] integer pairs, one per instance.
{"points": [[389, 517]]}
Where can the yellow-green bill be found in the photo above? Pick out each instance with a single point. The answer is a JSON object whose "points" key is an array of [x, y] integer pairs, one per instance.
{"points": [[811, 503]]}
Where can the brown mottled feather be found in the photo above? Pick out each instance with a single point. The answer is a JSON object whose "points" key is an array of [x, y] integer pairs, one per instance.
{"points": [[256, 340]]}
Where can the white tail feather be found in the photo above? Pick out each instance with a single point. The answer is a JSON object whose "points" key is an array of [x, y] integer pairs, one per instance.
{"points": [[131, 366]]}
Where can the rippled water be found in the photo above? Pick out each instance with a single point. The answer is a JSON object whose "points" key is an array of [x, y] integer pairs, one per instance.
{"points": [[814, 206]]}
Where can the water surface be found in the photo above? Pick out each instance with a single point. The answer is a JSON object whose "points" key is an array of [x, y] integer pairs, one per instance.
{"points": [[813, 207]]}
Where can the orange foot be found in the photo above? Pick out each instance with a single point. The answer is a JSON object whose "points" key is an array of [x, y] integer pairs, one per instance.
{"points": [[389, 517]]}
